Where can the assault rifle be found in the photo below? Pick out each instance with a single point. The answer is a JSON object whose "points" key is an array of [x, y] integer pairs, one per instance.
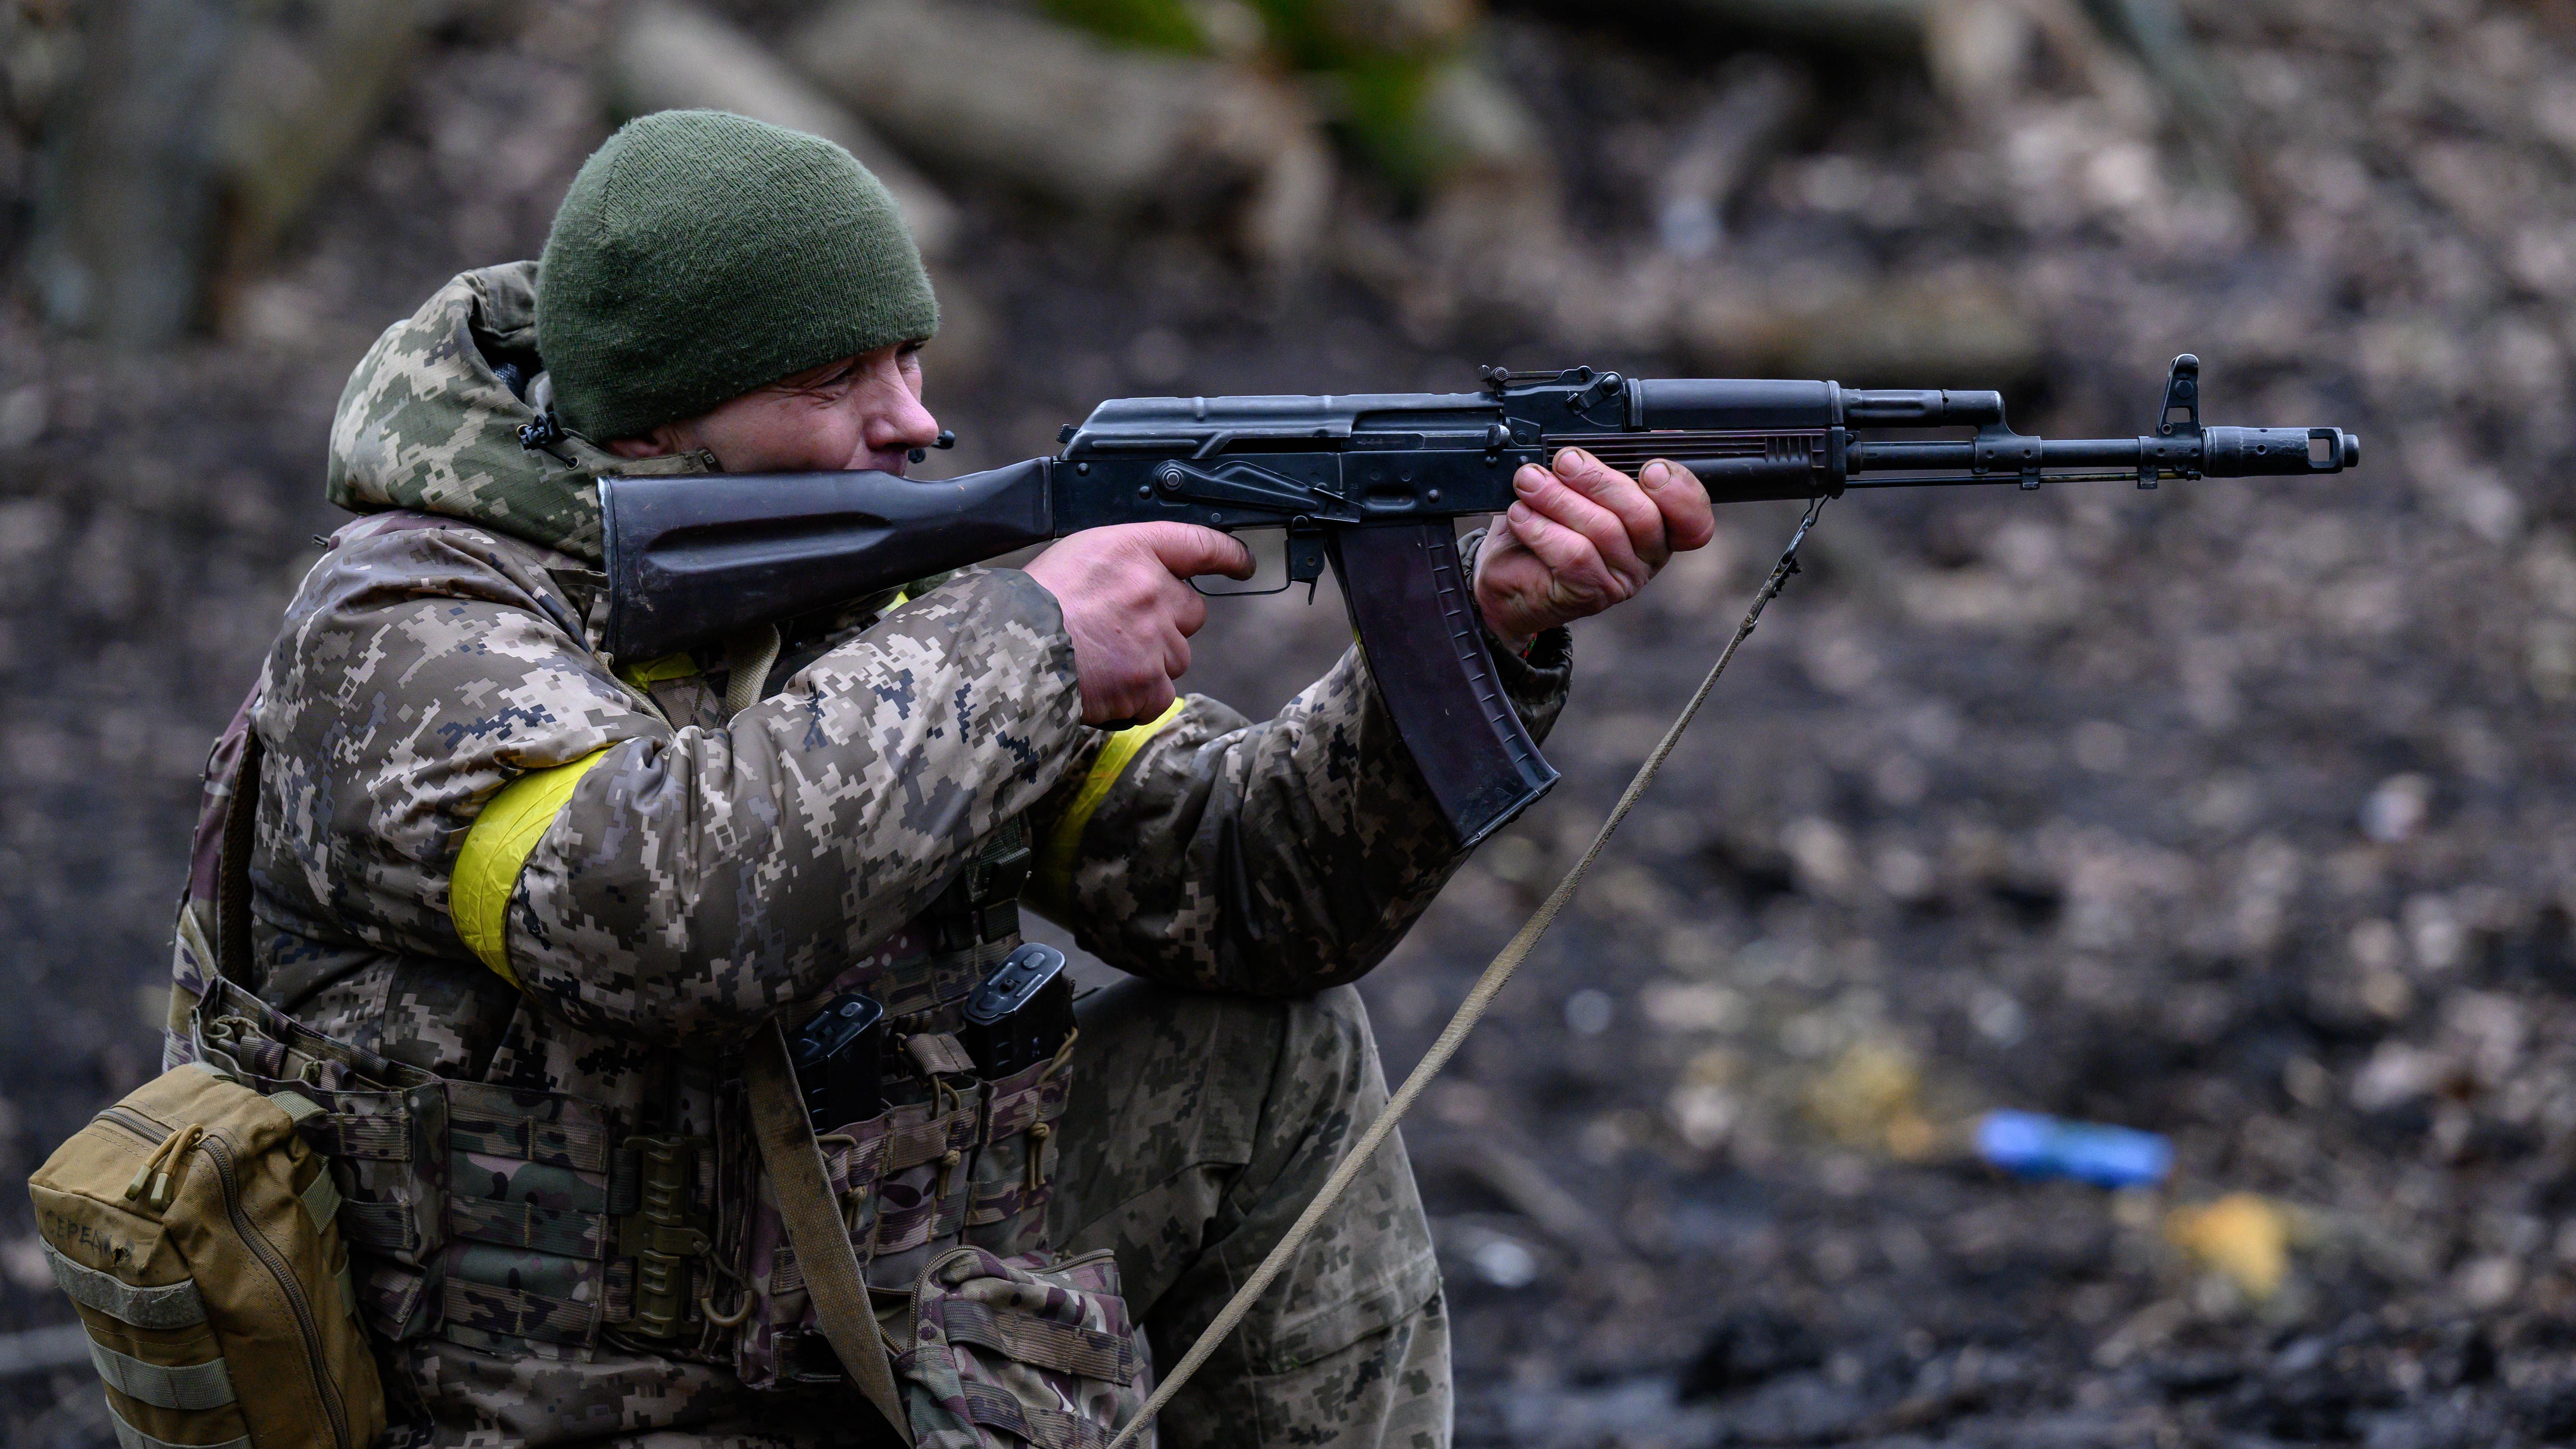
{"points": [[1371, 484]]}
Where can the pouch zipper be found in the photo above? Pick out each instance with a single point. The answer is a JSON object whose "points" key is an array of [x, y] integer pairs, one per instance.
{"points": [[221, 1155]]}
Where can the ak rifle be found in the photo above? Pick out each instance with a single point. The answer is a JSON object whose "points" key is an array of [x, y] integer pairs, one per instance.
{"points": [[1370, 484]]}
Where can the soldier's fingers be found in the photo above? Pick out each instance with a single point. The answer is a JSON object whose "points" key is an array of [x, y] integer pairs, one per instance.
{"points": [[1188, 609], [1189, 550], [1573, 561], [1130, 706], [1146, 701], [1551, 498], [1689, 519], [1502, 539], [1620, 494], [1103, 702], [1176, 658]]}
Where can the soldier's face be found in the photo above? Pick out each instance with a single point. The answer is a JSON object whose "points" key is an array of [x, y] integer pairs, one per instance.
{"points": [[859, 412]]}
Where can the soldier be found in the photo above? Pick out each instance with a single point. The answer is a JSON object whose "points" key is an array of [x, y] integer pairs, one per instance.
{"points": [[484, 850]]}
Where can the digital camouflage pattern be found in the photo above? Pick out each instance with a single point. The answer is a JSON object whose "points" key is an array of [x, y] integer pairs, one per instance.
{"points": [[709, 873], [1253, 1102], [1252, 886], [427, 423]]}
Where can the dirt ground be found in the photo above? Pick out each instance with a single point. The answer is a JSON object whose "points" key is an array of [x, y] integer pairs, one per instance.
{"points": [[2236, 811]]}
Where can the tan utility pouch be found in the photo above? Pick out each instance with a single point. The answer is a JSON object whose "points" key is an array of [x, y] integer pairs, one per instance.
{"points": [[195, 1230]]}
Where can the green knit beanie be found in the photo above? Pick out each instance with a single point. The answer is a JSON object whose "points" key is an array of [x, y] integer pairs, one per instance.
{"points": [[700, 255]]}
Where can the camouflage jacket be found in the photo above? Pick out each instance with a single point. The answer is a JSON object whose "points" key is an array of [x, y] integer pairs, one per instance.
{"points": [[709, 873], [715, 872]]}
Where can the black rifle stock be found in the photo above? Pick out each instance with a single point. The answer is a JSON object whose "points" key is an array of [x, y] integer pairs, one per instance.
{"points": [[1372, 484]]}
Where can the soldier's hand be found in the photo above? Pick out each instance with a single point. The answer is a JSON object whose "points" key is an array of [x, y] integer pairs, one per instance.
{"points": [[1129, 607], [1582, 536]]}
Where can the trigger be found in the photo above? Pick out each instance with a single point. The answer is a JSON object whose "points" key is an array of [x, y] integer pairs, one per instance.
{"points": [[1305, 546], [1305, 558]]}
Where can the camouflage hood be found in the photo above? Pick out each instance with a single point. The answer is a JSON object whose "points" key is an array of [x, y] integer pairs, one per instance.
{"points": [[427, 423]]}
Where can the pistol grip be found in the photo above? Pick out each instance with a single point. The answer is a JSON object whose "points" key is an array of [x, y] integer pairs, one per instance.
{"points": [[1415, 613]]}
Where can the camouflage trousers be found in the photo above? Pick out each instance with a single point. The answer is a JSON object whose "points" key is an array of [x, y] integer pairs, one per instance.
{"points": [[1199, 1129]]}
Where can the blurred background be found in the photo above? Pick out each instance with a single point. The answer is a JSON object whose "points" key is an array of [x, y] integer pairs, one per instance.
{"points": [[2235, 812]]}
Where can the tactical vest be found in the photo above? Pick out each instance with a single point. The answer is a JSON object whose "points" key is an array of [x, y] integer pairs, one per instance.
{"points": [[497, 1217], [486, 1212]]}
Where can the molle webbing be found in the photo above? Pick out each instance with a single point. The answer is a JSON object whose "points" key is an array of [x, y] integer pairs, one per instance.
{"points": [[207, 1385], [216, 1302], [490, 1211], [542, 1127], [502, 1311], [533, 1211], [526, 1225], [973, 1166], [506, 1203], [1064, 1347], [175, 1306], [129, 1437], [859, 1157], [1043, 1427], [347, 1135]]}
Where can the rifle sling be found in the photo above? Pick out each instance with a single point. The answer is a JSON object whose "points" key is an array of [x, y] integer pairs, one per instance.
{"points": [[814, 1227], [1470, 1011]]}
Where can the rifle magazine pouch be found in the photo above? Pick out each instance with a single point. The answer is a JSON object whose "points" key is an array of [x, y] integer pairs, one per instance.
{"points": [[1011, 1351], [195, 1231], [1014, 1173]]}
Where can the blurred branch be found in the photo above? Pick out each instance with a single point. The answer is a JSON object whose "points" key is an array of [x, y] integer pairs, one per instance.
{"points": [[192, 140], [1759, 98], [301, 91], [1976, 49], [122, 219], [1925, 330], [1499, 1158], [670, 55], [1884, 25], [1016, 99], [2154, 31]]}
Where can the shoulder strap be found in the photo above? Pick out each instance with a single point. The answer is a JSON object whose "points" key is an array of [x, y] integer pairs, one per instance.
{"points": [[232, 888], [814, 1227]]}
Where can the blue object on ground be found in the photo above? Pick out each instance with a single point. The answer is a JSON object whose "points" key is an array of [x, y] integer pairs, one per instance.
{"points": [[2027, 1144]]}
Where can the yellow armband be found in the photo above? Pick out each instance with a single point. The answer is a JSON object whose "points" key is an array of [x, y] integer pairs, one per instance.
{"points": [[1054, 874], [496, 850]]}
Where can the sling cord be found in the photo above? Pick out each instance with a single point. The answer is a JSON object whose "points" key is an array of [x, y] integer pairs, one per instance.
{"points": [[1479, 997]]}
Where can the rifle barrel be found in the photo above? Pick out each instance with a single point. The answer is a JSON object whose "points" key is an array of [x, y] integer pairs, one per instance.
{"points": [[2215, 453]]}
